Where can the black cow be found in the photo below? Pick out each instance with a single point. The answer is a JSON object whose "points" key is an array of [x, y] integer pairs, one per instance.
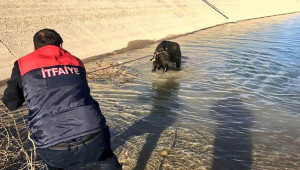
{"points": [[166, 54]]}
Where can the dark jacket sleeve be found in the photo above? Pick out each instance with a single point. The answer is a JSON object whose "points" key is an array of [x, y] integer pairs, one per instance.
{"points": [[13, 95]]}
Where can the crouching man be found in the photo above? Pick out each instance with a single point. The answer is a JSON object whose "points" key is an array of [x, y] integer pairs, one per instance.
{"points": [[66, 123]]}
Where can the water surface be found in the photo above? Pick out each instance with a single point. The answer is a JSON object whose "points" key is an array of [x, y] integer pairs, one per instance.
{"points": [[235, 103]]}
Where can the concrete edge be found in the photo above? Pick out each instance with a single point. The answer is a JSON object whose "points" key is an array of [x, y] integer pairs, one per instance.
{"points": [[151, 42]]}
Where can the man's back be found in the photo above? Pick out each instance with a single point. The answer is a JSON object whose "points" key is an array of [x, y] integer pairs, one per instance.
{"points": [[58, 97], [66, 123]]}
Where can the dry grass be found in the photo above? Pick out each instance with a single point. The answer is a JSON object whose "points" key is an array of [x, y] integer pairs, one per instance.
{"points": [[17, 150]]}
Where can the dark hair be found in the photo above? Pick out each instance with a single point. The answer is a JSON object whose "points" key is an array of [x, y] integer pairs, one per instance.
{"points": [[46, 37]]}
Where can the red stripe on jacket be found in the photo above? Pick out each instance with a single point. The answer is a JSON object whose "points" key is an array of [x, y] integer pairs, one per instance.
{"points": [[47, 56]]}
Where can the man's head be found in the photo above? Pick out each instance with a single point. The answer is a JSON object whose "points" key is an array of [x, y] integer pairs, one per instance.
{"points": [[46, 37]]}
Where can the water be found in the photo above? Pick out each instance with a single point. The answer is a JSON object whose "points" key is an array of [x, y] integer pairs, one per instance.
{"points": [[235, 103]]}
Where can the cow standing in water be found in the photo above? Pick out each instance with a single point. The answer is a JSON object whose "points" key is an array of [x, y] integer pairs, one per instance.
{"points": [[166, 54]]}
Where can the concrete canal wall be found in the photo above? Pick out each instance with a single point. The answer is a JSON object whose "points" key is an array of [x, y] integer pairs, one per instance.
{"points": [[91, 28]]}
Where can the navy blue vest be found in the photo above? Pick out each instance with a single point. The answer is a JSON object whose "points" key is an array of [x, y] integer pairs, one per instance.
{"points": [[58, 97]]}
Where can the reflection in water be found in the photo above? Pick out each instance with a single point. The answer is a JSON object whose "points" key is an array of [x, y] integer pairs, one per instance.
{"points": [[233, 144], [161, 117]]}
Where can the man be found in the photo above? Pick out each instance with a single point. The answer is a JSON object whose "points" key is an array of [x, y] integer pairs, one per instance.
{"points": [[66, 123]]}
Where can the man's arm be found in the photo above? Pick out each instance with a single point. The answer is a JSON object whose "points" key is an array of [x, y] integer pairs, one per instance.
{"points": [[13, 95]]}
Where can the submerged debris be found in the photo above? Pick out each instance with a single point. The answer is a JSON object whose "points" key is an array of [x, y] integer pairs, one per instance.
{"points": [[164, 153], [110, 71]]}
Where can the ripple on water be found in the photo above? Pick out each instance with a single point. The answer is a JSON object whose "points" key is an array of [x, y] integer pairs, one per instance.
{"points": [[234, 103]]}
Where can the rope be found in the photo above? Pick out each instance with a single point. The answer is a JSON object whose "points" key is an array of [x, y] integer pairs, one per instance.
{"points": [[118, 64], [215, 8]]}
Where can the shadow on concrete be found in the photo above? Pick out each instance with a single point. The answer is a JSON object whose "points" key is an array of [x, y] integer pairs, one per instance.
{"points": [[233, 143], [162, 116]]}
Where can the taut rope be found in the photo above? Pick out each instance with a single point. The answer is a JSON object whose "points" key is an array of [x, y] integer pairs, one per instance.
{"points": [[117, 64], [215, 8]]}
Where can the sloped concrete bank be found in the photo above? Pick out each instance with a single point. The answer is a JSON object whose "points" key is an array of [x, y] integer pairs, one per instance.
{"points": [[91, 28]]}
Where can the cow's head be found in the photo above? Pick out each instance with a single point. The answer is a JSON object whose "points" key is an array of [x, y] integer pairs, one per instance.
{"points": [[156, 55]]}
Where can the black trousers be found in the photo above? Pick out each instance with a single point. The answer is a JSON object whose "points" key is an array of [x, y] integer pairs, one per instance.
{"points": [[96, 154]]}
